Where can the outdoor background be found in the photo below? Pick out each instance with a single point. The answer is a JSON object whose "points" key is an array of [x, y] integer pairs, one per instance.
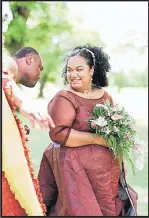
{"points": [[54, 28]]}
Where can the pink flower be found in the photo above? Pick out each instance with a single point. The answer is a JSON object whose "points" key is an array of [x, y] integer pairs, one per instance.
{"points": [[127, 136], [114, 109], [93, 123], [116, 117], [137, 147], [115, 104], [133, 128]]}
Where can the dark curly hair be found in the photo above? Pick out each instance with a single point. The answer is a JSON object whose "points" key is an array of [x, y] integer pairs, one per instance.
{"points": [[95, 57]]}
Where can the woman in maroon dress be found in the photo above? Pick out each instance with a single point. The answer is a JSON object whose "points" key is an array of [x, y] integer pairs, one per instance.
{"points": [[78, 174]]}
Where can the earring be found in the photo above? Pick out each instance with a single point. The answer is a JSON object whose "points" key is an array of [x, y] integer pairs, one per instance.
{"points": [[91, 77]]}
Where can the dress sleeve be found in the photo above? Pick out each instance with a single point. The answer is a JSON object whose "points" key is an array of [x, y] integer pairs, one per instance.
{"points": [[108, 96], [62, 110], [47, 184]]}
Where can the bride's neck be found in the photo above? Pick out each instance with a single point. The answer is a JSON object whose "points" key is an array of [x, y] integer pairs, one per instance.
{"points": [[82, 91]]}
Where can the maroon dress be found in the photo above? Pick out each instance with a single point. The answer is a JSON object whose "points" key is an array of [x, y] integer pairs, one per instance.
{"points": [[81, 181]]}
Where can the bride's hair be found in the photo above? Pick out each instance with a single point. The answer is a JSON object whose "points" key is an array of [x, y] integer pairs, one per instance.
{"points": [[96, 58]]}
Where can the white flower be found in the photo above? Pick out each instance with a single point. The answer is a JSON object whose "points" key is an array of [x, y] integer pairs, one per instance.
{"points": [[117, 107], [101, 122], [107, 131], [115, 129], [102, 105]]}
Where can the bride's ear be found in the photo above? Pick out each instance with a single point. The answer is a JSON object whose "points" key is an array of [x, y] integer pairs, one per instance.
{"points": [[92, 71]]}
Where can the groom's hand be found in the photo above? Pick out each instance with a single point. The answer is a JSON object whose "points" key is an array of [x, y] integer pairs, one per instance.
{"points": [[42, 119], [36, 116]]}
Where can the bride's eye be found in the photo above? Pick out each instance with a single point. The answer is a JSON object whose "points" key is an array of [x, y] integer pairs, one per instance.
{"points": [[68, 71], [79, 70]]}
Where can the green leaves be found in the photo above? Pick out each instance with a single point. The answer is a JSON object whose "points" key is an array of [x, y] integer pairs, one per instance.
{"points": [[107, 102], [115, 125], [41, 25], [17, 29]]}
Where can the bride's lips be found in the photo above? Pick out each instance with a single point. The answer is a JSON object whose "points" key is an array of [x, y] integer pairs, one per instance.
{"points": [[75, 81]]}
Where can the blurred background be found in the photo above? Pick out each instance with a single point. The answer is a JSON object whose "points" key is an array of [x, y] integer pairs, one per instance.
{"points": [[54, 28]]}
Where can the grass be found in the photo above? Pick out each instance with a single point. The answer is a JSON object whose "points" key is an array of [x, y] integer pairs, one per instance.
{"points": [[39, 140]]}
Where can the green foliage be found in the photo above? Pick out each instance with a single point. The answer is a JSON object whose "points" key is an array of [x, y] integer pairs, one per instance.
{"points": [[39, 25], [23, 9], [116, 126], [130, 79], [140, 79], [18, 23], [119, 80], [45, 27]]}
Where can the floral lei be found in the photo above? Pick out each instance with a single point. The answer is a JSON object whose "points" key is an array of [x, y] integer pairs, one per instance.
{"points": [[8, 93]]}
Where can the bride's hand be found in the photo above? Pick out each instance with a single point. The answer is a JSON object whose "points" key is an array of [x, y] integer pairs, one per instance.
{"points": [[100, 141]]}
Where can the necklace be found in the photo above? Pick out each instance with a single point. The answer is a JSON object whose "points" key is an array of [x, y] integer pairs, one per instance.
{"points": [[88, 91]]}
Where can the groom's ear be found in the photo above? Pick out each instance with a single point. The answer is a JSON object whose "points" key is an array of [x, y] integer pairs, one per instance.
{"points": [[29, 59]]}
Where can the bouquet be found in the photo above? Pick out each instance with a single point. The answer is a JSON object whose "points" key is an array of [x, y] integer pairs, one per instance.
{"points": [[117, 128]]}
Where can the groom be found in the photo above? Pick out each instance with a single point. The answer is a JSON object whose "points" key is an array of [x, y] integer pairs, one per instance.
{"points": [[26, 66]]}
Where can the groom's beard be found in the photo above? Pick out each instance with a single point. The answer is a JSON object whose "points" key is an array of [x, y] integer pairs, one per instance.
{"points": [[27, 81]]}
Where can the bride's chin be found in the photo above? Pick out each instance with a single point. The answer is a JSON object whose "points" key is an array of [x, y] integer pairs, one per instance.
{"points": [[75, 86]]}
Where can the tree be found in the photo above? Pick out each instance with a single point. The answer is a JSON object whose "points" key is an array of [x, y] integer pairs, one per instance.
{"points": [[132, 54], [45, 27], [119, 80], [17, 27], [38, 24]]}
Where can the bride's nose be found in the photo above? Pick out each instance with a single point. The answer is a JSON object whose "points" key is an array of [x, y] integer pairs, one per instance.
{"points": [[74, 74]]}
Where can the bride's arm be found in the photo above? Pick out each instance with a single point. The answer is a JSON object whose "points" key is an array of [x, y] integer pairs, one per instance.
{"points": [[63, 114], [79, 138]]}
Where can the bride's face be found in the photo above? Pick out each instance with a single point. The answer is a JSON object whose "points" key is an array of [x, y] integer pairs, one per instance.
{"points": [[79, 74]]}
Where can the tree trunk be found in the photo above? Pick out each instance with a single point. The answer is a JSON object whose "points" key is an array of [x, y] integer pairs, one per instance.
{"points": [[42, 84]]}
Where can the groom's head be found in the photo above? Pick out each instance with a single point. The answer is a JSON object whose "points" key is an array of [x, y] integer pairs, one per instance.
{"points": [[29, 66]]}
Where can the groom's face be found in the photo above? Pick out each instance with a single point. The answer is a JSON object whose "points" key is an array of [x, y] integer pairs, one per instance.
{"points": [[32, 69]]}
